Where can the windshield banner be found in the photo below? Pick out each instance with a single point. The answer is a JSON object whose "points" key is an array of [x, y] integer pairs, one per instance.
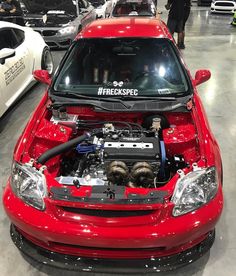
{"points": [[117, 92]]}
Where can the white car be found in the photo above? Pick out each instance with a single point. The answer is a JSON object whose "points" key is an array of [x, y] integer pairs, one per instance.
{"points": [[22, 51], [103, 8], [223, 6]]}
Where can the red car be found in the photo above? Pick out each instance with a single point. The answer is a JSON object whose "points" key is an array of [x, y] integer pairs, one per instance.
{"points": [[117, 170]]}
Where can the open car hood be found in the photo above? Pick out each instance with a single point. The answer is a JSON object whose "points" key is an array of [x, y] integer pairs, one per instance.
{"points": [[43, 6]]}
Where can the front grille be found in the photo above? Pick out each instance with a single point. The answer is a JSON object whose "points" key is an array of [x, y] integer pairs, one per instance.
{"points": [[108, 213], [224, 4], [220, 10], [49, 33]]}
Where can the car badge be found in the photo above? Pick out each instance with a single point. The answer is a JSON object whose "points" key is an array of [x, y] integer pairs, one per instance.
{"points": [[45, 18]]}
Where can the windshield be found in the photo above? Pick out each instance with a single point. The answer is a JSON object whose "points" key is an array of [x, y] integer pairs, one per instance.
{"points": [[140, 8], [122, 67]]}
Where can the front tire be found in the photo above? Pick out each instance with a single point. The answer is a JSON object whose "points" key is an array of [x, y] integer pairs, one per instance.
{"points": [[47, 61]]}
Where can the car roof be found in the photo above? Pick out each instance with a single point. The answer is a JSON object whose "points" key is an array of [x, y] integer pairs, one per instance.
{"points": [[126, 27]]}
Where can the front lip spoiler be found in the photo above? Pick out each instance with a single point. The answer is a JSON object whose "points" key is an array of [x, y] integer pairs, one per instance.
{"points": [[118, 266]]}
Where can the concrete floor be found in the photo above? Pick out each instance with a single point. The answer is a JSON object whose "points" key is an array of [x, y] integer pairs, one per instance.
{"points": [[211, 44]]}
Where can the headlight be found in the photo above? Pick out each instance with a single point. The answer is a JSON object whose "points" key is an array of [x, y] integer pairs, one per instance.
{"points": [[194, 190], [67, 30], [29, 185]]}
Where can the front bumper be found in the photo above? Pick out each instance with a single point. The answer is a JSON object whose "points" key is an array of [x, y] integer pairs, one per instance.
{"points": [[129, 237], [55, 40], [120, 266]]}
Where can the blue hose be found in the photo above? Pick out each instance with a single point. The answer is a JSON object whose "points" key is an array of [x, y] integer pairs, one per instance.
{"points": [[83, 149], [163, 158]]}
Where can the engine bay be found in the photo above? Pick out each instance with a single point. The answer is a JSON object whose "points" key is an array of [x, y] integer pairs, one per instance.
{"points": [[123, 154], [141, 151]]}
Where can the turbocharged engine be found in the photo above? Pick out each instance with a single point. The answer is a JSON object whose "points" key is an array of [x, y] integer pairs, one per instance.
{"points": [[124, 154]]}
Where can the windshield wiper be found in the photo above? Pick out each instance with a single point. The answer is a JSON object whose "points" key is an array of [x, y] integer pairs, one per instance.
{"points": [[148, 98], [158, 98], [79, 96], [60, 104]]}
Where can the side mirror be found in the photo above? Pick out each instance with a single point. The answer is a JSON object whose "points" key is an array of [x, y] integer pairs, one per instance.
{"points": [[202, 76], [6, 53], [42, 76]]}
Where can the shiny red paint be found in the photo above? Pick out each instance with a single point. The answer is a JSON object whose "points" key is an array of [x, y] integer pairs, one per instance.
{"points": [[182, 140], [117, 254], [126, 27], [42, 76], [158, 233], [202, 76]]}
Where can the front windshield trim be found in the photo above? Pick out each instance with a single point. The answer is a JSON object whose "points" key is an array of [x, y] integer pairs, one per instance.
{"points": [[189, 91], [178, 104]]}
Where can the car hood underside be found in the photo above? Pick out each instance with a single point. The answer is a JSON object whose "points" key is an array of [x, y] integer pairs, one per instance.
{"points": [[43, 6], [52, 20]]}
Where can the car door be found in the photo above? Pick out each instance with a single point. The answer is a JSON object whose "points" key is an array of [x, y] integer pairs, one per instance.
{"points": [[87, 12], [2, 106], [15, 72]]}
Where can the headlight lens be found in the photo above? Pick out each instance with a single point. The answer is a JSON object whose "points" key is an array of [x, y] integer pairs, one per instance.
{"points": [[29, 185], [67, 30], [194, 190]]}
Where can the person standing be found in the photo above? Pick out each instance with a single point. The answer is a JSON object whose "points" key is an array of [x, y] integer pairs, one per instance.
{"points": [[175, 21], [187, 9]]}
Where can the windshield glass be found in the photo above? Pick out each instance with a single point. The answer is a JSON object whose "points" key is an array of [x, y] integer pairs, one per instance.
{"points": [[122, 67], [134, 7]]}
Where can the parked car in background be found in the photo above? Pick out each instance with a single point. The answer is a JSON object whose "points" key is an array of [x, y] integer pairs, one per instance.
{"points": [[58, 21], [103, 8], [117, 170], [223, 6], [134, 8], [22, 51]]}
